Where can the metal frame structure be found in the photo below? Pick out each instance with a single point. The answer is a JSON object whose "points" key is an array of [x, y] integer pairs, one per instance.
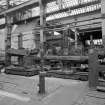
{"points": [[8, 13], [29, 4]]}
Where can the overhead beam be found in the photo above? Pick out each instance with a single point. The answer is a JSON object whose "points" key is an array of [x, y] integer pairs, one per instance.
{"points": [[87, 20], [82, 20], [78, 18]]}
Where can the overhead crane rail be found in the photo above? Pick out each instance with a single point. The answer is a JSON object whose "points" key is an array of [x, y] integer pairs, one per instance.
{"points": [[64, 28], [62, 25]]}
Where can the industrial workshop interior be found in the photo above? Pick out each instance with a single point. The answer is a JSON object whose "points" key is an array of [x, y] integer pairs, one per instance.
{"points": [[52, 52]]}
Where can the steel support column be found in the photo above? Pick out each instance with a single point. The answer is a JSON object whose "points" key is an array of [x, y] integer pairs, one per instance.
{"points": [[20, 46], [42, 24], [76, 38], [93, 68], [65, 42], [93, 65], [8, 37], [103, 21]]}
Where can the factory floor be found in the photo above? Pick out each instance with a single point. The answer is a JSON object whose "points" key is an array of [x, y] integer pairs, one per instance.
{"points": [[18, 90]]}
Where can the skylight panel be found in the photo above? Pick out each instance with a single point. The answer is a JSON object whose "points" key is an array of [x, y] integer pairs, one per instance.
{"points": [[75, 12], [87, 1], [51, 7], [69, 3]]}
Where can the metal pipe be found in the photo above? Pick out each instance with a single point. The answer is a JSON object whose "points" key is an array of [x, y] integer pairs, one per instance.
{"points": [[42, 74]]}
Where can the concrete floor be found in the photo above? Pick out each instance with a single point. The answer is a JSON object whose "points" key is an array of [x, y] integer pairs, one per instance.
{"points": [[18, 90]]}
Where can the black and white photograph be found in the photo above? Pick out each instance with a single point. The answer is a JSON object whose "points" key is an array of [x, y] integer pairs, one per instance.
{"points": [[52, 52]]}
